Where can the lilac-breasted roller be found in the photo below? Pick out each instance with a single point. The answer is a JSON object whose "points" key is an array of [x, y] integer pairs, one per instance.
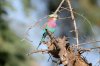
{"points": [[50, 26]]}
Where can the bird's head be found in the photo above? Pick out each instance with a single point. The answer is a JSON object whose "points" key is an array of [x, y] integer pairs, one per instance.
{"points": [[53, 16]]}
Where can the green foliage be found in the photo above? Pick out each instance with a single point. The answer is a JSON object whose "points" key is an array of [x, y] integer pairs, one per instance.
{"points": [[12, 50], [6, 4]]}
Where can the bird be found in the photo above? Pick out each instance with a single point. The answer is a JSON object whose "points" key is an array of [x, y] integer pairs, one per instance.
{"points": [[50, 25]]}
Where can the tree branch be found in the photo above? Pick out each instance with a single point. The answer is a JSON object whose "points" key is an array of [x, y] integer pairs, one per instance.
{"points": [[73, 18], [59, 7], [87, 43], [37, 51]]}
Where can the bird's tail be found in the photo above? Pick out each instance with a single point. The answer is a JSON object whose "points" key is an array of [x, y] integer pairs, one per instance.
{"points": [[43, 39], [39, 45]]}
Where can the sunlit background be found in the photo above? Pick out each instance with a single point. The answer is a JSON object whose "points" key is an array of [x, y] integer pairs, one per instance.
{"points": [[16, 16]]}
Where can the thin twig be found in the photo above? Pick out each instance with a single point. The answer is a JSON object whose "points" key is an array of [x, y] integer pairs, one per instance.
{"points": [[82, 17], [37, 51], [73, 18], [82, 50], [87, 43], [31, 26], [59, 7], [59, 18], [95, 48], [88, 49]]}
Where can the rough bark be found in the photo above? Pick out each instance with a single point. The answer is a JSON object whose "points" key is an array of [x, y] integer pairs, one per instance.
{"points": [[60, 48]]}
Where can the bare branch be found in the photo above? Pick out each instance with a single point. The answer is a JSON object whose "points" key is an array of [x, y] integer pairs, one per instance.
{"points": [[63, 18], [59, 7], [37, 51], [88, 43], [73, 18]]}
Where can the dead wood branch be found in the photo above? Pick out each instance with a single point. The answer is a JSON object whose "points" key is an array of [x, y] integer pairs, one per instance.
{"points": [[73, 18], [64, 52], [60, 49], [37, 51]]}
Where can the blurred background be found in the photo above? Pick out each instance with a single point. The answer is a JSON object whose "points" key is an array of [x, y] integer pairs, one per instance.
{"points": [[17, 15]]}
